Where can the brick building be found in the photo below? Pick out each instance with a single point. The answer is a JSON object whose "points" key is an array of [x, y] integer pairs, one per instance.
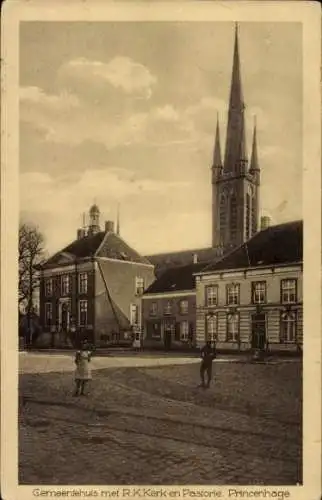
{"points": [[169, 309], [92, 287], [254, 295]]}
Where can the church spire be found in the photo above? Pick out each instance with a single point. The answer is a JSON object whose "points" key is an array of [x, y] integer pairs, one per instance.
{"points": [[254, 165], [118, 220], [235, 151], [217, 151]]}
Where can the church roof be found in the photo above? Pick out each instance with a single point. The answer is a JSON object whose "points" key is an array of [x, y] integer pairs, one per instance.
{"points": [[217, 161], [235, 137], [101, 244], [277, 245], [176, 279], [163, 261], [254, 165]]}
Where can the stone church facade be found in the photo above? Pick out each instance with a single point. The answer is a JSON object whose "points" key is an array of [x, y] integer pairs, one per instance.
{"points": [[247, 287], [235, 184]]}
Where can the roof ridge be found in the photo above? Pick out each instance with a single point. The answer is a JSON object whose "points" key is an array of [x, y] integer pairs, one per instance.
{"points": [[181, 251]]}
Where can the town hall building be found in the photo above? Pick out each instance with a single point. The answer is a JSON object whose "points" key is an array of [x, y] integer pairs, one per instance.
{"points": [[91, 288]]}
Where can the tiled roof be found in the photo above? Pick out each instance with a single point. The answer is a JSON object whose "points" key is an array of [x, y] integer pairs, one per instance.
{"points": [[113, 247], [176, 279], [116, 248], [85, 247], [281, 244], [164, 261]]}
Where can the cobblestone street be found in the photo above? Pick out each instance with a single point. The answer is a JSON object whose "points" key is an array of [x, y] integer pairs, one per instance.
{"points": [[153, 425]]}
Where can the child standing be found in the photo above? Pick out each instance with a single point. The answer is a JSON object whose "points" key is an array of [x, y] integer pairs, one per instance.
{"points": [[83, 370]]}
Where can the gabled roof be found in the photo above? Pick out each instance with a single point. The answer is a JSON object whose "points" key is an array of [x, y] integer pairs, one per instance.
{"points": [[281, 244], [78, 249], [101, 244], [179, 278]]}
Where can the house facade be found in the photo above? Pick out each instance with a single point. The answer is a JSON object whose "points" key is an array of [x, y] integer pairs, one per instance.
{"points": [[169, 309], [253, 297], [92, 288]]}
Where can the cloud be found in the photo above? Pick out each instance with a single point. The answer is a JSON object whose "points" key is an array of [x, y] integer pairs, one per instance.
{"points": [[56, 204], [121, 73], [40, 191], [37, 97]]}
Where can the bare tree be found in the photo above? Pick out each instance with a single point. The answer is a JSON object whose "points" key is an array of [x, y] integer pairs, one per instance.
{"points": [[31, 253]]}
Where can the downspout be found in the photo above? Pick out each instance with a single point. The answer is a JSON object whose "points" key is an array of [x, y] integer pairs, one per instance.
{"points": [[110, 298]]}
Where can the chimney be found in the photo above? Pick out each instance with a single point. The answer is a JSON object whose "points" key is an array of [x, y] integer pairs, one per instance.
{"points": [[109, 226], [195, 258], [265, 222], [80, 233]]}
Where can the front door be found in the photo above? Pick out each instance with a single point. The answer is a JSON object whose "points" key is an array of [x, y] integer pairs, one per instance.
{"points": [[168, 332], [259, 331]]}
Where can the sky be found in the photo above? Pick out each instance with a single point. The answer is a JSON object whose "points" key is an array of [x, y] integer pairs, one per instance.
{"points": [[125, 113]]}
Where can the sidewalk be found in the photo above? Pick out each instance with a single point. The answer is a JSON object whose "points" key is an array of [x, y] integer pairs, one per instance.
{"points": [[173, 357]]}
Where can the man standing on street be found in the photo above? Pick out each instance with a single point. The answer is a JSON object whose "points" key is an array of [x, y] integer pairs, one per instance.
{"points": [[208, 354]]}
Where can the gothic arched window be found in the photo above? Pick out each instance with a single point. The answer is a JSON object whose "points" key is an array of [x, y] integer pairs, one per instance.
{"points": [[248, 216], [252, 192], [233, 216], [222, 216]]}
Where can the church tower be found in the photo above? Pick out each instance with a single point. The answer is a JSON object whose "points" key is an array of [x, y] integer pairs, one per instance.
{"points": [[235, 184]]}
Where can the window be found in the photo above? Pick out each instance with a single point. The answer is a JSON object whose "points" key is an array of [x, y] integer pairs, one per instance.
{"points": [[211, 327], [184, 331], [233, 217], [168, 308], [153, 309], [48, 287], [248, 216], [139, 286], [259, 292], [288, 327], [232, 327], [83, 283], [134, 314], [212, 295], [83, 312], [183, 306], [65, 284], [155, 331], [48, 313], [254, 216], [232, 294], [288, 291], [222, 217]]}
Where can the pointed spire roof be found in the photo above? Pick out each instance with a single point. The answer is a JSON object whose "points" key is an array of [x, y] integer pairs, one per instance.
{"points": [[235, 139], [217, 151], [254, 165]]}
